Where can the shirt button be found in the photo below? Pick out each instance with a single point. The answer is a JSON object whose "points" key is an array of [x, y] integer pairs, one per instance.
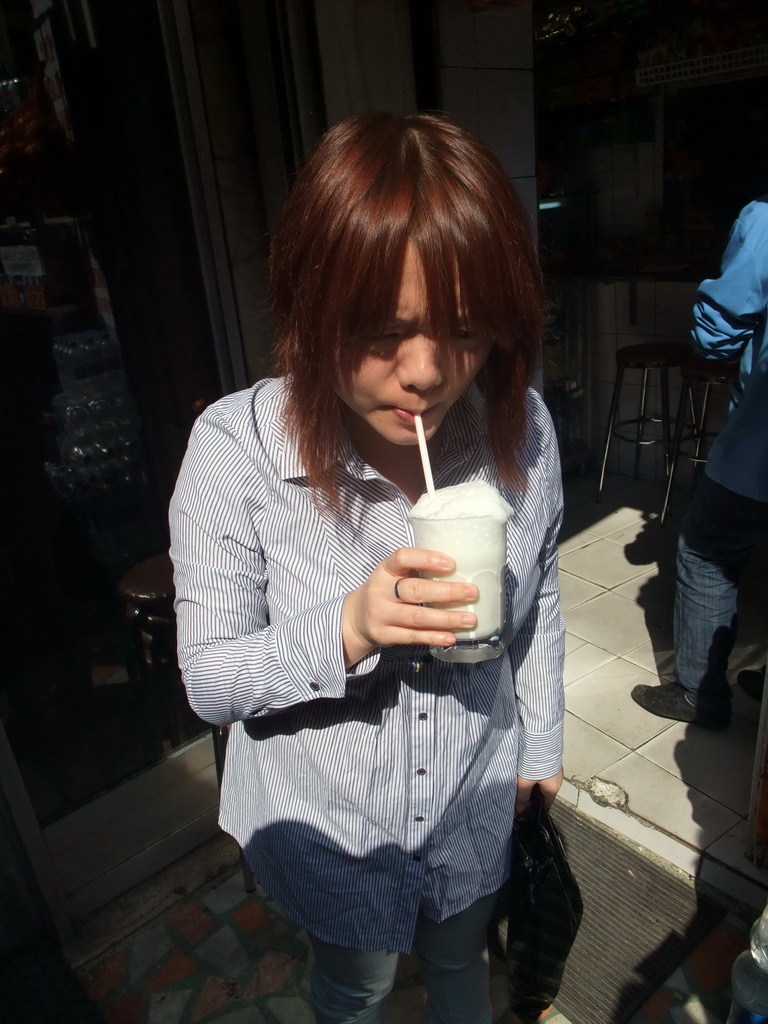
{"points": [[417, 856], [423, 715], [419, 817], [421, 771], [314, 686]]}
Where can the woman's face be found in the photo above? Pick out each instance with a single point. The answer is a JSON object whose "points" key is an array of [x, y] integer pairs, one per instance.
{"points": [[405, 372]]}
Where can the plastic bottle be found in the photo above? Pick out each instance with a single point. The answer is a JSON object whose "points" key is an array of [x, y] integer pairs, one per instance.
{"points": [[75, 356], [88, 361], [749, 978], [109, 363]]}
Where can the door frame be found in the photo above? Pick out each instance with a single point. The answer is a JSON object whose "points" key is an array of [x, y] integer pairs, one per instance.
{"points": [[39, 862], [205, 205], [94, 854]]}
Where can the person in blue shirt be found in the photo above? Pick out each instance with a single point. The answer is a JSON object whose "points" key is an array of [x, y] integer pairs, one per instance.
{"points": [[728, 515]]}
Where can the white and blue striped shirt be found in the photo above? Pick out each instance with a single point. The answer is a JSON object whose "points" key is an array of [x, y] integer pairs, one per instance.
{"points": [[359, 795]]}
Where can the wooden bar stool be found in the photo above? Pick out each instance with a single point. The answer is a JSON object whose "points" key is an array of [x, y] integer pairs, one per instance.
{"points": [[644, 357], [146, 591], [691, 433]]}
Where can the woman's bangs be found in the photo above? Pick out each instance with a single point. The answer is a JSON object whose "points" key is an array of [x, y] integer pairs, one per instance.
{"points": [[372, 291], [367, 275], [462, 279]]}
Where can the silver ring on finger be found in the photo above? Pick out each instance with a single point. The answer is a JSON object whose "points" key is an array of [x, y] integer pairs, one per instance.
{"points": [[398, 581]]}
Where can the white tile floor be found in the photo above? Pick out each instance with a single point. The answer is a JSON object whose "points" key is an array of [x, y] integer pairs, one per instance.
{"points": [[679, 791]]}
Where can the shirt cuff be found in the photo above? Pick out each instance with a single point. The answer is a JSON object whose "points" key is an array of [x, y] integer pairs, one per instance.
{"points": [[365, 665], [541, 754], [310, 651]]}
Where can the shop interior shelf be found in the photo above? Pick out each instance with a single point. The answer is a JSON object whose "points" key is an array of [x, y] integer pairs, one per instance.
{"points": [[747, 62]]}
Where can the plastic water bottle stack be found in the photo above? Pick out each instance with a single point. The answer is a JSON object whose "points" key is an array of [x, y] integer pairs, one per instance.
{"points": [[88, 362], [749, 978], [100, 475]]}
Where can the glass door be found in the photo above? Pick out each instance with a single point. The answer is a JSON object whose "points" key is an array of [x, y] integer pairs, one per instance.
{"points": [[109, 356]]}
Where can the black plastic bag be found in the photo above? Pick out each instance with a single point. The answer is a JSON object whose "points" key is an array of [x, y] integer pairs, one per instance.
{"points": [[538, 914]]}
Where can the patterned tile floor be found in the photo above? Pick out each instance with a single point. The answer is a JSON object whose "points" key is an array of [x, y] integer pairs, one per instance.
{"points": [[218, 954]]}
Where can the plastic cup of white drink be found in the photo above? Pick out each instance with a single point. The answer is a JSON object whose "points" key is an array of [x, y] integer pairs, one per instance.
{"points": [[469, 523]]}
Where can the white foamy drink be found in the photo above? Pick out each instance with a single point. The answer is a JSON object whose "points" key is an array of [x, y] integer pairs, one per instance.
{"points": [[468, 522]]}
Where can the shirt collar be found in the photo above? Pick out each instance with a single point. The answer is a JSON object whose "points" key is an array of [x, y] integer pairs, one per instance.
{"points": [[288, 462]]}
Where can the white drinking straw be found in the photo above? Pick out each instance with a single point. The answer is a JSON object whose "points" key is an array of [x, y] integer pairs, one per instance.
{"points": [[424, 456]]}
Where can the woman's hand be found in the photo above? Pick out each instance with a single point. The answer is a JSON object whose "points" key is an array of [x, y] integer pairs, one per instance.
{"points": [[375, 616], [549, 790]]}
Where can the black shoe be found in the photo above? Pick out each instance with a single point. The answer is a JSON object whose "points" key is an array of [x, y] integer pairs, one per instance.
{"points": [[669, 701], [752, 682]]}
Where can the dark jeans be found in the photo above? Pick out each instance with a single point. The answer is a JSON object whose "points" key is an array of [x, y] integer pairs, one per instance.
{"points": [[717, 536]]}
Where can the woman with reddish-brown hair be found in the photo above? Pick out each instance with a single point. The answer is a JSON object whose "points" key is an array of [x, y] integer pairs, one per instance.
{"points": [[372, 786]]}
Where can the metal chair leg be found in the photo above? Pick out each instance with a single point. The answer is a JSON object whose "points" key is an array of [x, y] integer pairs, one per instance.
{"points": [[685, 389], [641, 422], [220, 734], [701, 433], [609, 430], [666, 428]]}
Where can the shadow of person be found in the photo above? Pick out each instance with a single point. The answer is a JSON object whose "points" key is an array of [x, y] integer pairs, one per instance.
{"points": [[656, 547], [685, 935], [716, 767], [363, 895], [718, 770]]}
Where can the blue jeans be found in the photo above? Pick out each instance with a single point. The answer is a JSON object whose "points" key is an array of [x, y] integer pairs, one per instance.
{"points": [[350, 987], [717, 536]]}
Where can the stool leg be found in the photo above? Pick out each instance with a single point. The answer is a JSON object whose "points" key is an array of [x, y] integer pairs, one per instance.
{"points": [[640, 422], [685, 388], [699, 432], [609, 430], [220, 734], [665, 422], [701, 427], [694, 416]]}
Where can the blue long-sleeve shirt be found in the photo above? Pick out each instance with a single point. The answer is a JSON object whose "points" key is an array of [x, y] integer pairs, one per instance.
{"points": [[360, 795], [731, 321]]}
